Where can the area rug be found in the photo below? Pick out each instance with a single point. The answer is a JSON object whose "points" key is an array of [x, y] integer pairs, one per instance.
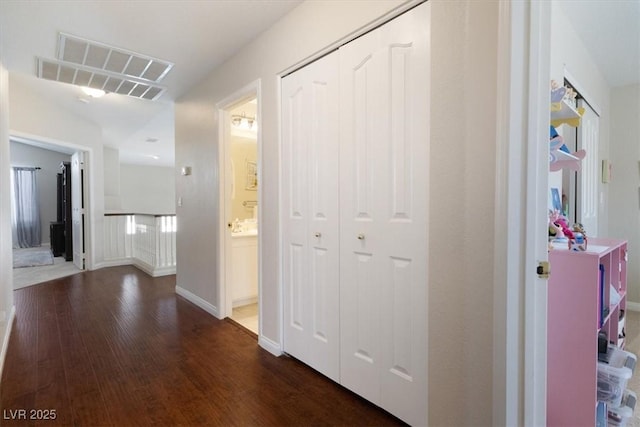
{"points": [[32, 257]]}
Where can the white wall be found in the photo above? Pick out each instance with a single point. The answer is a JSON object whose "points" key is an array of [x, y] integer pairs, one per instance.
{"points": [[34, 117], [462, 211], [569, 52], [462, 170], [111, 179], [624, 188], [6, 267], [147, 189], [49, 162]]}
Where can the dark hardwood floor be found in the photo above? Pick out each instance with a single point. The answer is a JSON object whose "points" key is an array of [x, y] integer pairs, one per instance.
{"points": [[117, 347]]}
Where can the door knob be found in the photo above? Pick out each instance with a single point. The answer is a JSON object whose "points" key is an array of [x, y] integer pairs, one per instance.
{"points": [[360, 236], [229, 225], [317, 234]]}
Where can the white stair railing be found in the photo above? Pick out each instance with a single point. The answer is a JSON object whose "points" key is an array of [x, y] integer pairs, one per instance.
{"points": [[146, 241]]}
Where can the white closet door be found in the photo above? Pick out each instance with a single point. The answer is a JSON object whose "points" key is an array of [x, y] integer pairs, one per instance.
{"points": [[310, 209], [589, 174], [384, 174]]}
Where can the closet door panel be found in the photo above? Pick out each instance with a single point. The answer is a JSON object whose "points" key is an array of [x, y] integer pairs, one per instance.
{"points": [[296, 277], [393, 235], [406, 46], [296, 153], [361, 87], [295, 227], [310, 206]]}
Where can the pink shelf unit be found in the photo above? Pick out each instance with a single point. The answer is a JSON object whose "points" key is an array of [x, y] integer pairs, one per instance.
{"points": [[575, 316]]}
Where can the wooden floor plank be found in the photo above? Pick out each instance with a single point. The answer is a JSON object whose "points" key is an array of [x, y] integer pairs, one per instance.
{"points": [[116, 347]]}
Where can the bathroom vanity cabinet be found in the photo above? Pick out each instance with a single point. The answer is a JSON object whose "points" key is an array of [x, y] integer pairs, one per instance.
{"points": [[244, 268]]}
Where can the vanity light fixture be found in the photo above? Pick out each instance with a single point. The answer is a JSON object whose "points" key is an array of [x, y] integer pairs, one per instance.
{"points": [[243, 122]]}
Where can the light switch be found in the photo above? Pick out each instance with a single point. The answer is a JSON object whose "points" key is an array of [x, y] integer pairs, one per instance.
{"points": [[180, 201]]}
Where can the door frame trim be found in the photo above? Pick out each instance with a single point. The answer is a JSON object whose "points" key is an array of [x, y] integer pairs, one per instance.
{"points": [[224, 107], [520, 330]]}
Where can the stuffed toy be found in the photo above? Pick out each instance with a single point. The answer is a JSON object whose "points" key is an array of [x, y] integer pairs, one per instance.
{"points": [[558, 226]]}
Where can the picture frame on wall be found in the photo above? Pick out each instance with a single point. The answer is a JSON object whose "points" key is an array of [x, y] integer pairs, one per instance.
{"points": [[252, 176]]}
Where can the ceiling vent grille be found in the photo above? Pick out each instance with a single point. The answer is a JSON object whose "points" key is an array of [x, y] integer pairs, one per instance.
{"points": [[107, 58], [60, 71], [84, 62]]}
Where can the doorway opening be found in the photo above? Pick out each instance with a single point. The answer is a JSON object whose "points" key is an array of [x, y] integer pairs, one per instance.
{"points": [[56, 244], [239, 209]]}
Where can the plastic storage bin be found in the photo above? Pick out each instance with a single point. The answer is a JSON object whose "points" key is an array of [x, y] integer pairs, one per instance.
{"points": [[618, 416], [619, 358], [613, 374]]}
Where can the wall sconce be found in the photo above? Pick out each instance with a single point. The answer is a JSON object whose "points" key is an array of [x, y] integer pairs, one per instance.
{"points": [[244, 122]]}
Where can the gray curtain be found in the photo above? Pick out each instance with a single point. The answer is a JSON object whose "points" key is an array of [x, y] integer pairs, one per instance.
{"points": [[25, 218]]}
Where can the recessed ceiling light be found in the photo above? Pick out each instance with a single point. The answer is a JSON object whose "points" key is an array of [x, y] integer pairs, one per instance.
{"points": [[154, 157], [92, 92], [150, 139]]}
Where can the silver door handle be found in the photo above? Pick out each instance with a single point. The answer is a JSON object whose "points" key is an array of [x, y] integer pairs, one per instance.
{"points": [[317, 234], [360, 236]]}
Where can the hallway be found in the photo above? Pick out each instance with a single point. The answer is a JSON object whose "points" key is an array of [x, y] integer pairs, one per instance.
{"points": [[118, 347]]}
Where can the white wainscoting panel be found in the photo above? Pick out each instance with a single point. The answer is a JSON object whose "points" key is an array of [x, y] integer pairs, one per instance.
{"points": [[118, 238], [146, 241]]}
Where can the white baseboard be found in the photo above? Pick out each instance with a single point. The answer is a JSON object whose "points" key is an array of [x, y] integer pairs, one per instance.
{"points": [[164, 271], [7, 334], [154, 271], [151, 271], [633, 306], [113, 263], [195, 299], [244, 301], [271, 346], [143, 266]]}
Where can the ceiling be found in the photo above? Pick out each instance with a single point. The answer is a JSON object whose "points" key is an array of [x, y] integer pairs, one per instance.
{"points": [[195, 35], [610, 29], [199, 35]]}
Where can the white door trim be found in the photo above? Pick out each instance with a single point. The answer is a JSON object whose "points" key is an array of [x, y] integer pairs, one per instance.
{"points": [[519, 390], [252, 90], [78, 205], [536, 230], [507, 363]]}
